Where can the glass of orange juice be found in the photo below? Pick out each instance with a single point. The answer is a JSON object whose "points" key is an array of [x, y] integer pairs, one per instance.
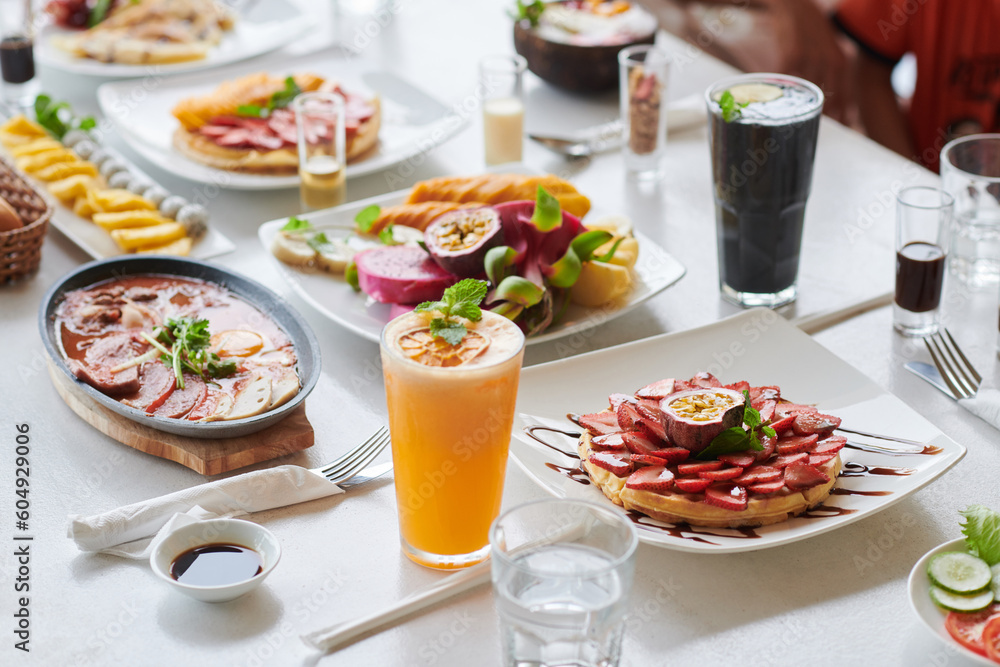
{"points": [[451, 410]]}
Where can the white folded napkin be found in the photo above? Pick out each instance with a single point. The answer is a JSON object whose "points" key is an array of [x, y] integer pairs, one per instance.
{"points": [[129, 531], [985, 405]]}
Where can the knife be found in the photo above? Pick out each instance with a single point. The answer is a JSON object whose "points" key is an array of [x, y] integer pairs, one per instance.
{"points": [[930, 374]]}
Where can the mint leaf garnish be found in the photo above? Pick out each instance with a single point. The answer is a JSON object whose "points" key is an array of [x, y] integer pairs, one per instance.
{"points": [[530, 11], [460, 300], [982, 532], [731, 109], [295, 224], [250, 110], [738, 438], [319, 242], [366, 217], [283, 98]]}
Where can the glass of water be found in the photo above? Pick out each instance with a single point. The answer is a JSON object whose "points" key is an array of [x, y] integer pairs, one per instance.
{"points": [[562, 573], [970, 172]]}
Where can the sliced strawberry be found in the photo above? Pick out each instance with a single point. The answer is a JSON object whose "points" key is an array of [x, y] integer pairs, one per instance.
{"points": [[638, 443], [832, 444], [698, 467], [766, 410], [765, 488], [657, 390], [796, 443], [612, 442], [652, 418], [785, 409], [804, 476], [727, 496], [739, 459], [647, 460], [672, 455], [721, 475], [782, 424], [769, 444], [764, 394], [599, 423], [740, 386], [815, 422], [759, 475], [705, 380], [691, 484], [787, 459], [820, 459], [614, 400], [618, 464], [627, 415], [683, 385], [653, 478]]}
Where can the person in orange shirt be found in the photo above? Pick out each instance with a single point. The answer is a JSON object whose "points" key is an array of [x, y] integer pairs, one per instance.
{"points": [[958, 70]]}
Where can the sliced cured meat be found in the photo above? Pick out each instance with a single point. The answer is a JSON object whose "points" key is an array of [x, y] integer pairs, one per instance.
{"points": [[657, 390], [156, 384], [101, 357], [209, 406], [803, 476], [181, 401], [599, 423], [815, 422], [797, 443]]}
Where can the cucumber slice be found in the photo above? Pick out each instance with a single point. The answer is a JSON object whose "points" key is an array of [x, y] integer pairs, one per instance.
{"points": [[964, 603], [995, 585], [959, 572]]}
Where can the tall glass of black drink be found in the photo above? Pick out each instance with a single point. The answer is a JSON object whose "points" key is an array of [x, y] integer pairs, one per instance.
{"points": [[17, 62], [763, 131], [923, 227]]}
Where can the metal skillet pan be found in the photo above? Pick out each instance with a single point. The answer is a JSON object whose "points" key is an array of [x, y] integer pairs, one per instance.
{"points": [[298, 331]]}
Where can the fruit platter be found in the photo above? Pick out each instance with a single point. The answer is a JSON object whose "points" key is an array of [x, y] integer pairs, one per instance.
{"points": [[842, 448], [367, 262]]}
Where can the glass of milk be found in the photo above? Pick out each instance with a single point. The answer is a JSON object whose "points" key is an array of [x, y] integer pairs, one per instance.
{"points": [[500, 88], [562, 574]]}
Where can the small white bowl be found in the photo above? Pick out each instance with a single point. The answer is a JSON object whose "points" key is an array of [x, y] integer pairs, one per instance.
{"points": [[215, 531]]}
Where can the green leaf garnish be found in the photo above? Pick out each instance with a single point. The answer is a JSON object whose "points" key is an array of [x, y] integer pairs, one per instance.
{"points": [[98, 13], [283, 98], [385, 236], [548, 213], [982, 532], [296, 224], [319, 242], [738, 439], [188, 339], [250, 110], [57, 117], [528, 11], [366, 217], [460, 300], [731, 109]]}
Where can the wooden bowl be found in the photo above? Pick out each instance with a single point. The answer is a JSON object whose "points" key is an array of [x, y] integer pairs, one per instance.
{"points": [[573, 67]]}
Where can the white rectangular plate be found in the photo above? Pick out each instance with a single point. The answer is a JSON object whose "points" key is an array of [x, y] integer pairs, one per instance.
{"points": [[762, 348], [413, 122], [98, 243], [331, 295], [262, 27]]}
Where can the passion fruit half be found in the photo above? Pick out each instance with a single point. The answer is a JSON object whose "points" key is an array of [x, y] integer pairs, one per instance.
{"points": [[459, 240], [693, 418]]}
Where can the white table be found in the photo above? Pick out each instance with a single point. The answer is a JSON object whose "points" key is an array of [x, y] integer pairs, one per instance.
{"points": [[813, 602]]}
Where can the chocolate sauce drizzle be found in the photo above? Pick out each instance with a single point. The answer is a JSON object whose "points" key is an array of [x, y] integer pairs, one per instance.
{"points": [[686, 531], [823, 511], [852, 469], [576, 474], [530, 430]]}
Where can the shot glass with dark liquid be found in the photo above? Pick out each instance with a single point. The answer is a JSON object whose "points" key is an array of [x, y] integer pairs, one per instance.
{"points": [[923, 225], [17, 61]]}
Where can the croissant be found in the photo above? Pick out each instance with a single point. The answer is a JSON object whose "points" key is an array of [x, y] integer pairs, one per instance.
{"points": [[498, 188]]}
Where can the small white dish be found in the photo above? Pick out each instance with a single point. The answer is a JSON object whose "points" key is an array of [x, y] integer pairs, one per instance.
{"points": [[216, 531], [929, 613]]}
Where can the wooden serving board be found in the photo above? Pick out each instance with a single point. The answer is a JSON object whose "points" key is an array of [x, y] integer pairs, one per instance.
{"points": [[207, 456]]}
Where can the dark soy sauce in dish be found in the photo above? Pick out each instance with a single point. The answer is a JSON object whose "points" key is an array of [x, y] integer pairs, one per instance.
{"points": [[216, 565]]}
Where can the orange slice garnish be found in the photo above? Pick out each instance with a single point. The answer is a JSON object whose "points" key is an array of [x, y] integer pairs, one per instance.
{"points": [[422, 347]]}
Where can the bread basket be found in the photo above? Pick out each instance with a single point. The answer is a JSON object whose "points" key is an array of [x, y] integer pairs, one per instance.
{"points": [[21, 249]]}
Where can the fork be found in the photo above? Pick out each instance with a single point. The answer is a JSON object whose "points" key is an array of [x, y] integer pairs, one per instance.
{"points": [[354, 461], [956, 370]]}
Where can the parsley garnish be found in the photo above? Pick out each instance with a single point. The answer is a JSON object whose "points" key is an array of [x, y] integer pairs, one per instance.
{"points": [[530, 11], [738, 439], [188, 340], [460, 300], [279, 100], [731, 109]]}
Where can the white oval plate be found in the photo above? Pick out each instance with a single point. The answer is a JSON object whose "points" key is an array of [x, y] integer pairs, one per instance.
{"points": [[263, 27], [413, 122], [929, 613], [655, 271], [762, 348]]}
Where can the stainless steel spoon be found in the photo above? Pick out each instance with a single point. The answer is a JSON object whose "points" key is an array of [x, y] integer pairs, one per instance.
{"points": [[608, 136]]}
